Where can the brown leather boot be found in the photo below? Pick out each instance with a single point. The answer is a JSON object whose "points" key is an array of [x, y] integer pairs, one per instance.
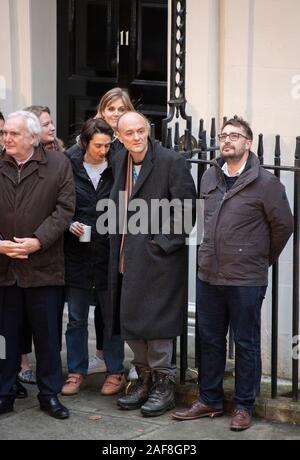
{"points": [[139, 391]]}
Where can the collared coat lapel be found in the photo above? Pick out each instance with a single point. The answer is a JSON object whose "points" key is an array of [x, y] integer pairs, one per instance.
{"points": [[146, 169]]}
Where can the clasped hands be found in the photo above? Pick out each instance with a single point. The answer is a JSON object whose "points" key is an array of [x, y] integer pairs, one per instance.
{"points": [[20, 248]]}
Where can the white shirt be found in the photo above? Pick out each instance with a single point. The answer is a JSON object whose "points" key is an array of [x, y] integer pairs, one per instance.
{"points": [[238, 173], [95, 171], [137, 169], [23, 162]]}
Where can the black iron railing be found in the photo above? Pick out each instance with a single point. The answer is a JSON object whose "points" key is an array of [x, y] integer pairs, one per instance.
{"points": [[202, 154]]}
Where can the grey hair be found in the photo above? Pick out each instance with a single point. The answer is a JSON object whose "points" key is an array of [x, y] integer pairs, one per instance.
{"points": [[32, 122]]}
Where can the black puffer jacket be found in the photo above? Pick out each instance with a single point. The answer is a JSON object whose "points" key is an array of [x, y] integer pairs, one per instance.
{"points": [[87, 263]]}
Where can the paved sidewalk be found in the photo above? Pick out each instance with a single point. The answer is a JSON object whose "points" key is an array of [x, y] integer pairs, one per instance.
{"points": [[27, 422]]}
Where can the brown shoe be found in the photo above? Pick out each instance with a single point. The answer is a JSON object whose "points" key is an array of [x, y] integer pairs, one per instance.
{"points": [[198, 410], [114, 384], [72, 385], [241, 420]]}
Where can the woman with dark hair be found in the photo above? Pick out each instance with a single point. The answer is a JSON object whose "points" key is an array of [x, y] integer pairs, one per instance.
{"points": [[111, 106], [87, 262]]}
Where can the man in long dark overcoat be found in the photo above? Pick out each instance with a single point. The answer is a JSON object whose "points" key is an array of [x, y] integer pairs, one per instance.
{"points": [[148, 279]]}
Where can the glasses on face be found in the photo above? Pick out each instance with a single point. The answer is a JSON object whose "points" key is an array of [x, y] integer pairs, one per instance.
{"points": [[234, 137]]}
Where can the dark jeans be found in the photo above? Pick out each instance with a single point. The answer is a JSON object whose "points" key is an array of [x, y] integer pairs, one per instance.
{"points": [[217, 307], [41, 305]]}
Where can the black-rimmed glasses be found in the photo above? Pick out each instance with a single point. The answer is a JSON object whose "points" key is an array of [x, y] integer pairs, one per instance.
{"points": [[234, 137]]}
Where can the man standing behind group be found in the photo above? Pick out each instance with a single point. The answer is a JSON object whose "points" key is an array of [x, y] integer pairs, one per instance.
{"points": [[247, 224], [36, 207], [149, 271]]}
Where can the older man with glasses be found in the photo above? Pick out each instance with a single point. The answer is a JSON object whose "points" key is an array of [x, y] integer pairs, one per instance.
{"points": [[247, 224]]}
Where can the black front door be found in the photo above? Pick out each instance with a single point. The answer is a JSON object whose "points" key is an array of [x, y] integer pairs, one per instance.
{"points": [[107, 43]]}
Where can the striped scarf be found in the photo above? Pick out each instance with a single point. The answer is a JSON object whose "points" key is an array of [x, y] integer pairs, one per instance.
{"points": [[128, 192]]}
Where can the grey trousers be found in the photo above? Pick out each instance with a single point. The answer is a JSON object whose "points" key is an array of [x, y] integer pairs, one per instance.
{"points": [[153, 354]]}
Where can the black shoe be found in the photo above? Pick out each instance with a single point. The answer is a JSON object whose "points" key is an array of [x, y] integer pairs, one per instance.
{"points": [[6, 405], [139, 392], [20, 390], [54, 408], [161, 398]]}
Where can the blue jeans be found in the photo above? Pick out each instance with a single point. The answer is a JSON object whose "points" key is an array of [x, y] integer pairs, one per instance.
{"points": [[217, 307], [77, 335]]}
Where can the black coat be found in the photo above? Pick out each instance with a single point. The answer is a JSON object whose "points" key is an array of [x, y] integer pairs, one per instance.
{"points": [[155, 283], [87, 263]]}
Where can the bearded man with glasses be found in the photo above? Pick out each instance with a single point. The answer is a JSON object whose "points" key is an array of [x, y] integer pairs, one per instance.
{"points": [[247, 223]]}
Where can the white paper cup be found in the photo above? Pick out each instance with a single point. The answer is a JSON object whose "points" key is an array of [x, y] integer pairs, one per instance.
{"points": [[86, 237]]}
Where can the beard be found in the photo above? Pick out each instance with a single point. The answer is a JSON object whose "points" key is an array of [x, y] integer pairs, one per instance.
{"points": [[233, 155]]}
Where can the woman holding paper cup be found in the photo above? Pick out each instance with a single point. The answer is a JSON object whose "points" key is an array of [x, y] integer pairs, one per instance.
{"points": [[112, 105], [86, 255]]}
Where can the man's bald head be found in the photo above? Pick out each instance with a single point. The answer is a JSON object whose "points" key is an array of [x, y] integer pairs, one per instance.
{"points": [[133, 131], [132, 117]]}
